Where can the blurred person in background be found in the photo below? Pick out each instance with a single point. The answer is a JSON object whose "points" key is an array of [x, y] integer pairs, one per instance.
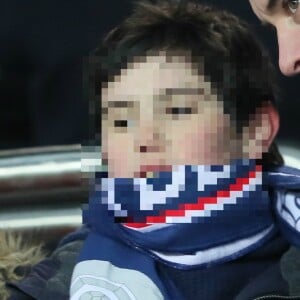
{"points": [[284, 16]]}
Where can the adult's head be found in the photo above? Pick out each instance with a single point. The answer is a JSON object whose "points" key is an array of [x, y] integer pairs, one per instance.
{"points": [[284, 15], [184, 84]]}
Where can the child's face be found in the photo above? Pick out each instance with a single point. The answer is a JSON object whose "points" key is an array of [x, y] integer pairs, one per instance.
{"points": [[159, 112]]}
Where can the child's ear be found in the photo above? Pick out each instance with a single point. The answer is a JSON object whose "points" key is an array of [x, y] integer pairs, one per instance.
{"points": [[274, 120], [262, 130]]}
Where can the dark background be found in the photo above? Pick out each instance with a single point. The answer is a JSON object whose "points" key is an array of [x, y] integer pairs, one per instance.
{"points": [[42, 45]]}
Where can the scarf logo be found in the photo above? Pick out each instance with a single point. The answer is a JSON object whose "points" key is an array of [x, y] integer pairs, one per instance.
{"points": [[289, 208]]}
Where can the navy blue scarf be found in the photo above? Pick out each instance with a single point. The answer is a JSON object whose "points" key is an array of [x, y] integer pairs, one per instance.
{"points": [[191, 217]]}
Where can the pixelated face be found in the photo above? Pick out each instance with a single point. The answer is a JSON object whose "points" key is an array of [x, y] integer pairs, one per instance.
{"points": [[160, 112], [284, 15]]}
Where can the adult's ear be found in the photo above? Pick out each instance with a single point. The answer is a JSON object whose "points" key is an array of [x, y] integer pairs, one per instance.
{"points": [[261, 132]]}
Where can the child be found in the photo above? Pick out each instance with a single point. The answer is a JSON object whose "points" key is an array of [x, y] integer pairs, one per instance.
{"points": [[191, 205]]}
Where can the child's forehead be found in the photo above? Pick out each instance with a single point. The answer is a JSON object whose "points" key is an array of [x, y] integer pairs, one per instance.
{"points": [[163, 59], [158, 73]]}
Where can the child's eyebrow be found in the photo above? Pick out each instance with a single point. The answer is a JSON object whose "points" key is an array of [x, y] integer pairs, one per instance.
{"points": [[183, 91], [167, 91], [121, 104]]}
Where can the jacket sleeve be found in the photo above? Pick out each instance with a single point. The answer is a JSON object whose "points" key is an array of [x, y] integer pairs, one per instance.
{"points": [[16, 294], [50, 279]]}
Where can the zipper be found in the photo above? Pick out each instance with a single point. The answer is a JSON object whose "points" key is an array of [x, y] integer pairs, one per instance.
{"points": [[275, 297]]}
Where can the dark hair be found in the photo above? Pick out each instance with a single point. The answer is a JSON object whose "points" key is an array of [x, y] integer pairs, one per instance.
{"points": [[234, 61]]}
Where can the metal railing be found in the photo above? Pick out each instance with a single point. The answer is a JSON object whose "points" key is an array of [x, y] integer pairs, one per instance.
{"points": [[41, 190]]}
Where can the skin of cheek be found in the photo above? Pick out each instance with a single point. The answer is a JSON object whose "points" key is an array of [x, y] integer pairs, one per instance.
{"points": [[289, 44], [204, 140], [122, 161], [208, 142], [191, 149]]}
